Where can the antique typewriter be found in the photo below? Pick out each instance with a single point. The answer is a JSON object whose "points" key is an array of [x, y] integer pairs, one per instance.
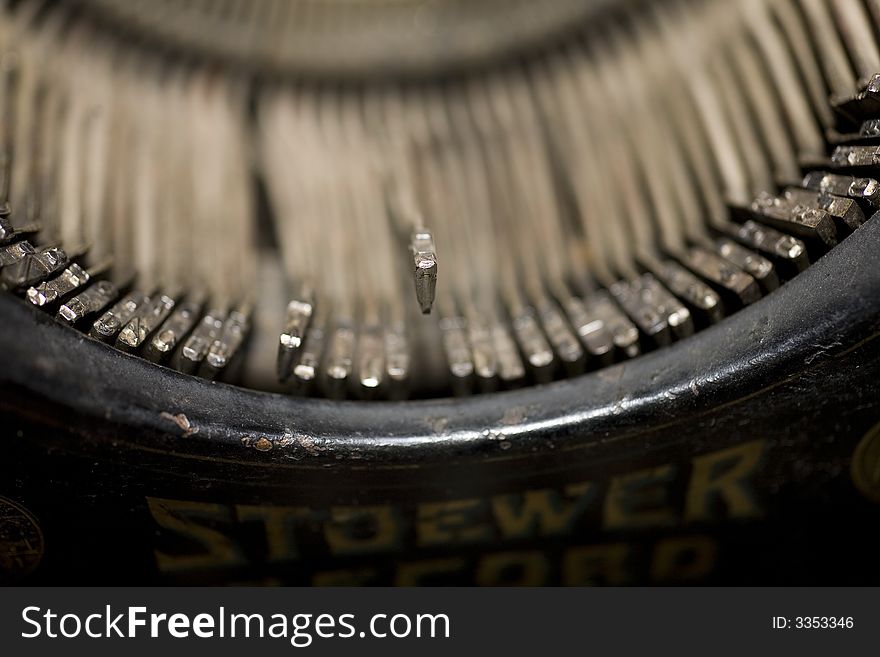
{"points": [[439, 291]]}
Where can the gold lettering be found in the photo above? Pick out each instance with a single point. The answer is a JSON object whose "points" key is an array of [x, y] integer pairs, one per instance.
{"points": [[429, 571], [280, 523], [724, 476], [362, 529], [679, 559], [513, 569], [541, 512], [640, 500], [444, 523], [595, 565], [192, 522]]}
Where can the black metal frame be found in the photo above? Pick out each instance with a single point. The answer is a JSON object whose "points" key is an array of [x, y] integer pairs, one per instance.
{"points": [[825, 311]]}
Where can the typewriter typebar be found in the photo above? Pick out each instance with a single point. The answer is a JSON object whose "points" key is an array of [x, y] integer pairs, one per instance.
{"points": [[446, 292]]}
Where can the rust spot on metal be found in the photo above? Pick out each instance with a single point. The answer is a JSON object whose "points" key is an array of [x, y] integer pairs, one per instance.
{"points": [[286, 440], [266, 444], [308, 445], [261, 444], [181, 421]]}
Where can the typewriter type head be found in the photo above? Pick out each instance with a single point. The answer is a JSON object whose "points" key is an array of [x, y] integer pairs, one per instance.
{"points": [[454, 208], [485, 212]]}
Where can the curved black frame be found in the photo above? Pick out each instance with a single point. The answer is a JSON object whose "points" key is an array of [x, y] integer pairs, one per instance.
{"points": [[829, 309]]}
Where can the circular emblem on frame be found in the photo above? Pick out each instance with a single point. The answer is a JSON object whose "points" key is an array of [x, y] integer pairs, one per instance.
{"points": [[866, 465], [21, 541]]}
